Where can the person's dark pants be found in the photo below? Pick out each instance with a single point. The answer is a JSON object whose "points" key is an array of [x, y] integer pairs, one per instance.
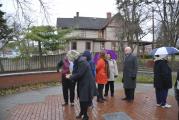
{"points": [[68, 85], [84, 108], [111, 85], [100, 91], [129, 93], [90, 103], [161, 96], [178, 108]]}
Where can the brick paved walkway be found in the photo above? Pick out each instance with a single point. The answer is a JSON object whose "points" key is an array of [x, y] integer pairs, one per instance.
{"points": [[143, 108]]}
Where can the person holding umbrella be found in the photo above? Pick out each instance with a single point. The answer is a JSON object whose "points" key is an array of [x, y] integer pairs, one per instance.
{"points": [[162, 74], [162, 79], [176, 88]]}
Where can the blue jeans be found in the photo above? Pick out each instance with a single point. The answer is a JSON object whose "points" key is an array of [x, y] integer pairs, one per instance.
{"points": [[161, 96]]}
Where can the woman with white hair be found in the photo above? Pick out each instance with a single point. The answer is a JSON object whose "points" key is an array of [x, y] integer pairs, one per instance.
{"points": [[162, 80]]}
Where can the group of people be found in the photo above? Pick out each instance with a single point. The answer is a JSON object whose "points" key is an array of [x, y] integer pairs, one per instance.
{"points": [[80, 70]]}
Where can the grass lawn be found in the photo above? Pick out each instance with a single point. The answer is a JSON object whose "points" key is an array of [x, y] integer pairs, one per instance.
{"points": [[10, 91], [145, 78]]}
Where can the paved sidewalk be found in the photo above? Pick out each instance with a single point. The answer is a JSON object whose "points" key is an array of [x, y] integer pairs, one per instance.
{"points": [[45, 104]]}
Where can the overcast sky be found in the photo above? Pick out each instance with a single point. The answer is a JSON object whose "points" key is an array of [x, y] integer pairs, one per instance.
{"points": [[65, 8]]}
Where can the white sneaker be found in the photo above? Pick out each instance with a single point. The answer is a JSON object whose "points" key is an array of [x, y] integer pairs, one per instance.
{"points": [[158, 105], [166, 106]]}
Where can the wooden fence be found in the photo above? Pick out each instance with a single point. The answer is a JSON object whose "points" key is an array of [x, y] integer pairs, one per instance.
{"points": [[22, 64]]}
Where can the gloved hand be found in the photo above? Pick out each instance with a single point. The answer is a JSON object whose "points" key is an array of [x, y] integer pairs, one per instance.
{"points": [[133, 78]]}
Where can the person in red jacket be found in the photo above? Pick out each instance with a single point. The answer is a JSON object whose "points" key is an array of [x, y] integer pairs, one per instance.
{"points": [[101, 76]]}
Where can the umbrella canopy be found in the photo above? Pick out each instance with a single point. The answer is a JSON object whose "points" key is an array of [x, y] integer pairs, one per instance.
{"points": [[164, 51], [111, 52]]}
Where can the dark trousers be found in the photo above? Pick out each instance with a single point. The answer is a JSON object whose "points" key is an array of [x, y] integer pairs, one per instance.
{"points": [[68, 85], [161, 96], [100, 91], [129, 93], [84, 108], [178, 109], [111, 85]]}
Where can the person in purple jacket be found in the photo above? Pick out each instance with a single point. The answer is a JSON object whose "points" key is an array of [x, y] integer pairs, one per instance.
{"points": [[67, 85]]}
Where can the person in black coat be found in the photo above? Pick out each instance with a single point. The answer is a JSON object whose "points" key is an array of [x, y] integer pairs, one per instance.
{"points": [[176, 88], [86, 86], [162, 80]]}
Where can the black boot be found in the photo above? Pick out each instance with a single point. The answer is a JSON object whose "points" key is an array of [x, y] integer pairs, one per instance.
{"points": [[106, 94], [85, 118]]}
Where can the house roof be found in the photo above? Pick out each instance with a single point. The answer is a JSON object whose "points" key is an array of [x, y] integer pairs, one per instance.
{"points": [[82, 23]]}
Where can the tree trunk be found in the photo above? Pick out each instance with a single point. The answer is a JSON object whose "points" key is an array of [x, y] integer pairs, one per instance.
{"points": [[40, 55], [1, 66]]}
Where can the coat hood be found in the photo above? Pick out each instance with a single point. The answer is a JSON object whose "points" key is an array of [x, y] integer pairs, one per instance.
{"points": [[87, 54]]}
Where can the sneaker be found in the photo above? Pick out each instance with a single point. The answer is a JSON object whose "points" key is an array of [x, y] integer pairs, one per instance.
{"points": [[166, 106], [91, 107], [124, 98], [79, 116], [158, 105], [72, 104], [64, 104]]}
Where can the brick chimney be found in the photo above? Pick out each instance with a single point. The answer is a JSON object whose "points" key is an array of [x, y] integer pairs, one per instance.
{"points": [[77, 14], [108, 15]]}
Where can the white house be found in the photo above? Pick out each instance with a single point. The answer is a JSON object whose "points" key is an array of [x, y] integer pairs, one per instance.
{"points": [[90, 33], [93, 34]]}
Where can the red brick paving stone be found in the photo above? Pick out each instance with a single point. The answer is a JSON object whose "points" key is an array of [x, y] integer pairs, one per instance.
{"points": [[143, 108]]}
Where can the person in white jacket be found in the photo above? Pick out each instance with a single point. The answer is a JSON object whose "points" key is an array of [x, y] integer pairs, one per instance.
{"points": [[113, 73]]}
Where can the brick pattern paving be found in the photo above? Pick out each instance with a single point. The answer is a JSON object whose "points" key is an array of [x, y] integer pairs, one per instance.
{"points": [[143, 108]]}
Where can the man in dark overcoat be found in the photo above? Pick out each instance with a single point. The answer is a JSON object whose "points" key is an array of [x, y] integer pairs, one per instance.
{"points": [[129, 74]]}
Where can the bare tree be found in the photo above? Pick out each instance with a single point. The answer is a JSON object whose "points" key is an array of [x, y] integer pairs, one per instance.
{"points": [[23, 6], [133, 13], [169, 22]]}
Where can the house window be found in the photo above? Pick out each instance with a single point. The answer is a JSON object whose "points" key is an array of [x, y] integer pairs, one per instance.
{"points": [[100, 34], [73, 45], [88, 46], [113, 45], [102, 46], [83, 34]]}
